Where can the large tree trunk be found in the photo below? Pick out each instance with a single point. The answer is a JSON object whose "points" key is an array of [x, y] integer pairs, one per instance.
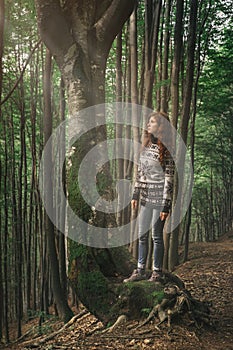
{"points": [[80, 36]]}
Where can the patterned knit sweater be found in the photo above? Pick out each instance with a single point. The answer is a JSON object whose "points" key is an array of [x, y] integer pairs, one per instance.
{"points": [[154, 184]]}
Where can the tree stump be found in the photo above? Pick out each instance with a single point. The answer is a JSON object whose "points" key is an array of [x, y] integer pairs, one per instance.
{"points": [[108, 298]]}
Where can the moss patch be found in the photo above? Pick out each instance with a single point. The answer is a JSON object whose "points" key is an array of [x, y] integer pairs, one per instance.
{"points": [[134, 298], [93, 288]]}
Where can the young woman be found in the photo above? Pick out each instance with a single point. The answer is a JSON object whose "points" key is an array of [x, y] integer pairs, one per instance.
{"points": [[153, 189]]}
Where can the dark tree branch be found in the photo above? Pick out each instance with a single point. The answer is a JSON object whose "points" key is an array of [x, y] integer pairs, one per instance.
{"points": [[113, 19]]}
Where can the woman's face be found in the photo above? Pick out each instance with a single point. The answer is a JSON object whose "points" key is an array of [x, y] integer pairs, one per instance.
{"points": [[152, 126]]}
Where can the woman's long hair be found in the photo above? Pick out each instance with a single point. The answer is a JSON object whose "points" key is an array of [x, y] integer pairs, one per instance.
{"points": [[163, 136]]}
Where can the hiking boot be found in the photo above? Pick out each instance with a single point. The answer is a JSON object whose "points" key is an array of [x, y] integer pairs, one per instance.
{"points": [[137, 275], [156, 276]]}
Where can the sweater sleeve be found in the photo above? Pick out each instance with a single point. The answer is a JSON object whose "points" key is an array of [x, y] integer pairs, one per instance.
{"points": [[136, 191], [168, 183]]}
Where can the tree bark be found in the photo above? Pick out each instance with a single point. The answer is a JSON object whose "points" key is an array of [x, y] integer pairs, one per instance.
{"points": [[165, 84], [80, 40], [62, 209], [152, 20], [61, 303], [175, 98], [6, 229], [134, 117], [119, 127], [2, 21], [185, 116], [176, 62], [80, 37]]}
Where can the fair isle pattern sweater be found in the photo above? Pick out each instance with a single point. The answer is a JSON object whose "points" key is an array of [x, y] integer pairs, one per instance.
{"points": [[154, 184]]}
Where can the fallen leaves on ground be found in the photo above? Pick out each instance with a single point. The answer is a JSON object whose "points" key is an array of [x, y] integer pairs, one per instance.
{"points": [[208, 276]]}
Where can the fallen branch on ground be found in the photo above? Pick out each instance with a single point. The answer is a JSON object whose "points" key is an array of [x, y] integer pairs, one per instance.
{"points": [[41, 340]]}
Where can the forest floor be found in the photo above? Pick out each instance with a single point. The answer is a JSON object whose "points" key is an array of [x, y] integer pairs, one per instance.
{"points": [[208, 276]]}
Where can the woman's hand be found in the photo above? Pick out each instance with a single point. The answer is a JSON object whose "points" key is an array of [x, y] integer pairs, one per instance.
{"points": [[134, 204], [163, 216]]}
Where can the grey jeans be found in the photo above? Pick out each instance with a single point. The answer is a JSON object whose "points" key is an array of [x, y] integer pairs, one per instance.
{"points": [[149, 218]]}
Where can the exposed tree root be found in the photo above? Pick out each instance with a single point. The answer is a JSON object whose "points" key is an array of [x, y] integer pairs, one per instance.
{"points": [[121, 320], [179, 302]]}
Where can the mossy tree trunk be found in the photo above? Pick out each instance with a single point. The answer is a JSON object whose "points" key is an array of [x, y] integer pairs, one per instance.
{"points": [[79, 35]]}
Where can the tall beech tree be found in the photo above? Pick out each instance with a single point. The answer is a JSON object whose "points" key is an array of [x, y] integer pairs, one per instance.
{"points": [[79, 35]]}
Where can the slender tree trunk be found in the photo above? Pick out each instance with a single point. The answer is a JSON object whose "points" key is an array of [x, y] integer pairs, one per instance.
{"points": [[6, 230], [175, 99], [2, 26], [16, 229], [152, 21], [1, 261], [192, 132], [119, 126], [22, 207], [166, 39], [2, 20], [163, 97], [63, 309], [185, 116], [44, 285], [176, 62], [33, 205], [62, 211], [128, 164], [135, 117]]}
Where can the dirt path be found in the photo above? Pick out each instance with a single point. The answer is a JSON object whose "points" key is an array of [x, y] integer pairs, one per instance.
{"points": [[208, 275]]}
